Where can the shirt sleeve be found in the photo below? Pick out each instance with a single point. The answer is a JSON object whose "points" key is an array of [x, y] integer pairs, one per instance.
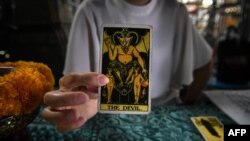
{"points": [[82, 49], [202, 50], [191, 51]]}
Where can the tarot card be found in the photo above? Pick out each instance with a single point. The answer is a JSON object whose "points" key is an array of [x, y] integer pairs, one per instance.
{"points": [[210, 127], [125, 60]]}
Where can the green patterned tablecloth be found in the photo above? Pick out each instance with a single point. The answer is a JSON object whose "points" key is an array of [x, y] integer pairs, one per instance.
{"points": [[163, 123]]}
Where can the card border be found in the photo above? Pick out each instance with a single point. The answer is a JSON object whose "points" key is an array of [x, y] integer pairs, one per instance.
{"points": [[150, 68]]}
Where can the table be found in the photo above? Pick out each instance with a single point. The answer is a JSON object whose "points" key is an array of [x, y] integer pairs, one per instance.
{"points": [[163, 123]]}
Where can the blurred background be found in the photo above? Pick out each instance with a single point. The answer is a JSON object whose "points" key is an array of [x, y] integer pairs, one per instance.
{"points": [[225, 25], [37, 30]]}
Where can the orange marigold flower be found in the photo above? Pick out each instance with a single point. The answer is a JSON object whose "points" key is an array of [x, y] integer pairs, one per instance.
{"points": [[22, 90]]}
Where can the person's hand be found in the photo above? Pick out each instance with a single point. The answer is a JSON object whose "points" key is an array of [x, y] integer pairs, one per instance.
{"points": [[75, 102]]}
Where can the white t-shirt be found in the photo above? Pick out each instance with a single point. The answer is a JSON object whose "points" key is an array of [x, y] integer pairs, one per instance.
{"points": [[177, 47]]}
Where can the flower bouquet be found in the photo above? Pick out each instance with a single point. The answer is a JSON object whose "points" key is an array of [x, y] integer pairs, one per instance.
{"points": [[22, 87]]}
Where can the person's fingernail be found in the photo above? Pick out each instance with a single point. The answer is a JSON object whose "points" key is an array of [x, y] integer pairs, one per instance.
{"points": [[102, 80], [81, 121]]}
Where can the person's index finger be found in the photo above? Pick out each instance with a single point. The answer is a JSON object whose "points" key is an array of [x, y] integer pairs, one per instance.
{"points": [[74, 80]]}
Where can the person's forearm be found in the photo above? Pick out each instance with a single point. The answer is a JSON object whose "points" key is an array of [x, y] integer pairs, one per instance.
{"points": [[201, 77]]}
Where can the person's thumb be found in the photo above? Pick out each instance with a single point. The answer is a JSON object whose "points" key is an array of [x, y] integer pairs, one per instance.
{"points": [[83, 79], [102, 80]]}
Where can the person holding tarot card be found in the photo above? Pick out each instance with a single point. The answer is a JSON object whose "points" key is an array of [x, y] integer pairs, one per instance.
{"points": [[123, 56]]}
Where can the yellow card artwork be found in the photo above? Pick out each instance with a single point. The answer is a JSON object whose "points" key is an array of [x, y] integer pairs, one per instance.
{"points": [[210, 127], [125, 60]]}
